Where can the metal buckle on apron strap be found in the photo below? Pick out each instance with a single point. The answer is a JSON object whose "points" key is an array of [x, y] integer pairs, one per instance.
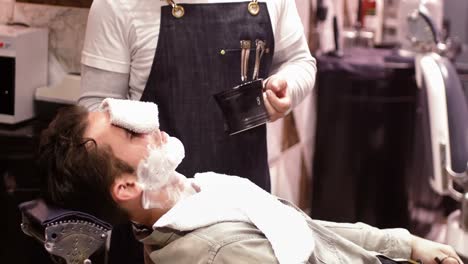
{"points": [[178, 11], [254, 8]]}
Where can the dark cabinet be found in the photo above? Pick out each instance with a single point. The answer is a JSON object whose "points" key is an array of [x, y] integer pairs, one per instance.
{"points": [[365, 127], [19, 182]]}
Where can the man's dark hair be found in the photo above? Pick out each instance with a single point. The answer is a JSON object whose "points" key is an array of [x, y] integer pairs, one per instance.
{"points": [[76, 173]]}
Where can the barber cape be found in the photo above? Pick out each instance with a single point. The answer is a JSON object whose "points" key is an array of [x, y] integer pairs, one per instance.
{"points": [[226, 198]]}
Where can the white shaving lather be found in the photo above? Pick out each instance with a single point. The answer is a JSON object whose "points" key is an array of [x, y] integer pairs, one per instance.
{"points": [[139, 117], [156, 173]]}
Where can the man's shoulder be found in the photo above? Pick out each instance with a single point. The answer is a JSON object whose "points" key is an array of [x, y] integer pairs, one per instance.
{"points": [[235, 240], [225, 233], [218, 243]]}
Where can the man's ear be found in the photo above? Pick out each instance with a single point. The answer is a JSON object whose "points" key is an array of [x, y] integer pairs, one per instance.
{"points": [[125, 188]]}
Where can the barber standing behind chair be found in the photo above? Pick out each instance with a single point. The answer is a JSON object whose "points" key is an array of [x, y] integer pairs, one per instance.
{"points": [[140, 50], [179, 54]]}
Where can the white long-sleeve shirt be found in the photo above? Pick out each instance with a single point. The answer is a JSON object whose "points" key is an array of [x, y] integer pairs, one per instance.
{"points": [[122, 35]]}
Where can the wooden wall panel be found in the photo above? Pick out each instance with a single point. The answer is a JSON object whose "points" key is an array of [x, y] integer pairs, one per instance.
{"points": [[72, 3]]}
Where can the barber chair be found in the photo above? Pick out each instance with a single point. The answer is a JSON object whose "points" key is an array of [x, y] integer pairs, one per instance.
{"points": [[69, 236], [445, 111], [448, 127]]}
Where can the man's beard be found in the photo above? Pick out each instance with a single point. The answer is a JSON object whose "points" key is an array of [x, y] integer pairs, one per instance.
{"points": [[156, 174]]}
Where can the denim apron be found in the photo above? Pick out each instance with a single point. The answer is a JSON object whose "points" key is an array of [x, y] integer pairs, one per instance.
{"points": [[197, 56]]}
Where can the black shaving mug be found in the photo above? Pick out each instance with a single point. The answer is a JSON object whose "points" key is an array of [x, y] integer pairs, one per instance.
{"points": [[243, 107]]}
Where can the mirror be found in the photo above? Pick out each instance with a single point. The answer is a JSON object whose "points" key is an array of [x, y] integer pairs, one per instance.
{"points": [[72, 3]]}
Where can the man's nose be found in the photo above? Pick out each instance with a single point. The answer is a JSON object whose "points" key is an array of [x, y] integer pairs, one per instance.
{"points": [[156, 137]]}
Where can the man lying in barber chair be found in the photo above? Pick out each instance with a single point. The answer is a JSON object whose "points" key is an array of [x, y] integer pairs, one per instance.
{"points": [[117, 164]]}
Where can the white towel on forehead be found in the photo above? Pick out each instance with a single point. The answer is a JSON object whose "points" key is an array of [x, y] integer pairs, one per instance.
{"points": [[139, 117]]}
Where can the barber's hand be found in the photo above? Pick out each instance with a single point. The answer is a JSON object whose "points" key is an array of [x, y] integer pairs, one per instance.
{"points": [[277, 100], [430, 252]]}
